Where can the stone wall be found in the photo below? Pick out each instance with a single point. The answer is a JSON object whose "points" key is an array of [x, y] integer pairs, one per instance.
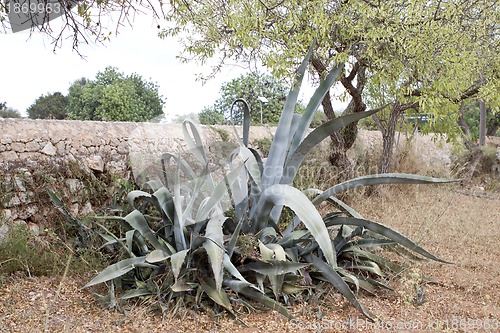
{"points": [[35, 149]]}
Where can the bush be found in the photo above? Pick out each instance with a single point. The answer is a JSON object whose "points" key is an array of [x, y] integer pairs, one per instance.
{"points": [[218, 234]]}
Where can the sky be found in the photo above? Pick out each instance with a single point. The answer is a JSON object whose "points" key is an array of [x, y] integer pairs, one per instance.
{"points": [[30, 67]]}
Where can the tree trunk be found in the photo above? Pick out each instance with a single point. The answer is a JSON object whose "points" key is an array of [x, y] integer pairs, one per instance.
{"points": [[482, 123], [464, 127], [343, 139], [388, 134]]}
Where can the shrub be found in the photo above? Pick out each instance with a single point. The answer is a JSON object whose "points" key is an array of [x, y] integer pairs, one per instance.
{"points": [[218, 236]]}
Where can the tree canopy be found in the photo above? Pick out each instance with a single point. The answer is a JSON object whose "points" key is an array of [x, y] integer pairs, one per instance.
{"points": [[7, 112], [50, 106], [114, 96], [258, 90]]}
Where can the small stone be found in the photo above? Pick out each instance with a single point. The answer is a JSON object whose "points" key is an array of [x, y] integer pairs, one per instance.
{"points": [[95, 163], [4, 230], [32, 146], [17, 147], [73, 184], [49, 149]]}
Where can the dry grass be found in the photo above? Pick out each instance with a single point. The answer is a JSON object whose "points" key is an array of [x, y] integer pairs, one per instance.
{"points": [[457, 227]]}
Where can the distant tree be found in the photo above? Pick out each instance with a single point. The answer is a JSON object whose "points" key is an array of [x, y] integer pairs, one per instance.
{"points": [[6, 112], [259, 90], [114, 96], [181, 117], [50, 106]]}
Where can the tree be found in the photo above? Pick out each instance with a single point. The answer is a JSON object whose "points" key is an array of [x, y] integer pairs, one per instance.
{"points": [[6, 112], [258, 90], [51, 106], [114, 96], [422, 55], [426, 56]]}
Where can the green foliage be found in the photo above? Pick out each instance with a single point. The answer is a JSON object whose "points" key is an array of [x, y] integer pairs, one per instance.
{"points": [[249, 87], [6, 112], [471, 117], [50, 106], [114, 96], [410, 54], [178, 246], [21, 251]]}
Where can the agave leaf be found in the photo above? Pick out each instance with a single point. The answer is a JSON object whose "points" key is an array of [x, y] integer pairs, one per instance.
{"points": [[180, 240], [252, 166], [218, 193], [237, 285], [367, 286], [153, 184], [279, 252], [215, 247], [265, 252], [275, 267], [165, 202], [383, 178], [314, 138], [343, 206], [132, 293], [371, 242], [180, 162], [137, 194], [219, 296], [279, 195], [177, 259], [281, 142], [374, 282], [234, 238], [194, 142], [313, 106], [129, 239], [381, 261], [137, 221], [385, 231], [116, 270], [181, 285], [293, 238], [157, 256], [229, 266], [266, 301], [336, 280], [367, 266], [246, 120], [293, 289]]}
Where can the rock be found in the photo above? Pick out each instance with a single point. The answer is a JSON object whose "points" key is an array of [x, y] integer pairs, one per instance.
{"points": [[32, 146], [87, 209], [4, 230], [7, 156], [95, 163], [73, 184], [49, 149], [34, 228]]}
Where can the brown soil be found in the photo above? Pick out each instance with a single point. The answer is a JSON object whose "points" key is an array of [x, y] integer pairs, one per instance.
{"points": [[457, 226]]}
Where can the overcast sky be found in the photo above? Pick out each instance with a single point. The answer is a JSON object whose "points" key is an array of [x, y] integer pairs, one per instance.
{"points": [[30, 68]]}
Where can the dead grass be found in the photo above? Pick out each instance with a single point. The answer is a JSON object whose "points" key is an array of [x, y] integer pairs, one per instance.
{"points": [[457, 227]]}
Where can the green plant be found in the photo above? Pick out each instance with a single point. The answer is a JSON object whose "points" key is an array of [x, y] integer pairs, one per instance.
{"points": [[263, 145], [179, 246], [21, 251]]}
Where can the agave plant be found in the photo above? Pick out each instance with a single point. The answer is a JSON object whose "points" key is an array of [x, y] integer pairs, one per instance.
{"points": [[191, 235]]}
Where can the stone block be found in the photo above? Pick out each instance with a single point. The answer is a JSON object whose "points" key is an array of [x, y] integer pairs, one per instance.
{"points": [[95, 163], [18, 147], [49, 149]]}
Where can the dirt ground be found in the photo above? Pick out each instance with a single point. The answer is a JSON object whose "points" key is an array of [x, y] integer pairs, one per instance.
{"points": [[458, 225]]}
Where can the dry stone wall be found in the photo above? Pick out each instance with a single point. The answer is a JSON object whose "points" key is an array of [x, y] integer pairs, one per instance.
{"points": [[31, 149]]}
